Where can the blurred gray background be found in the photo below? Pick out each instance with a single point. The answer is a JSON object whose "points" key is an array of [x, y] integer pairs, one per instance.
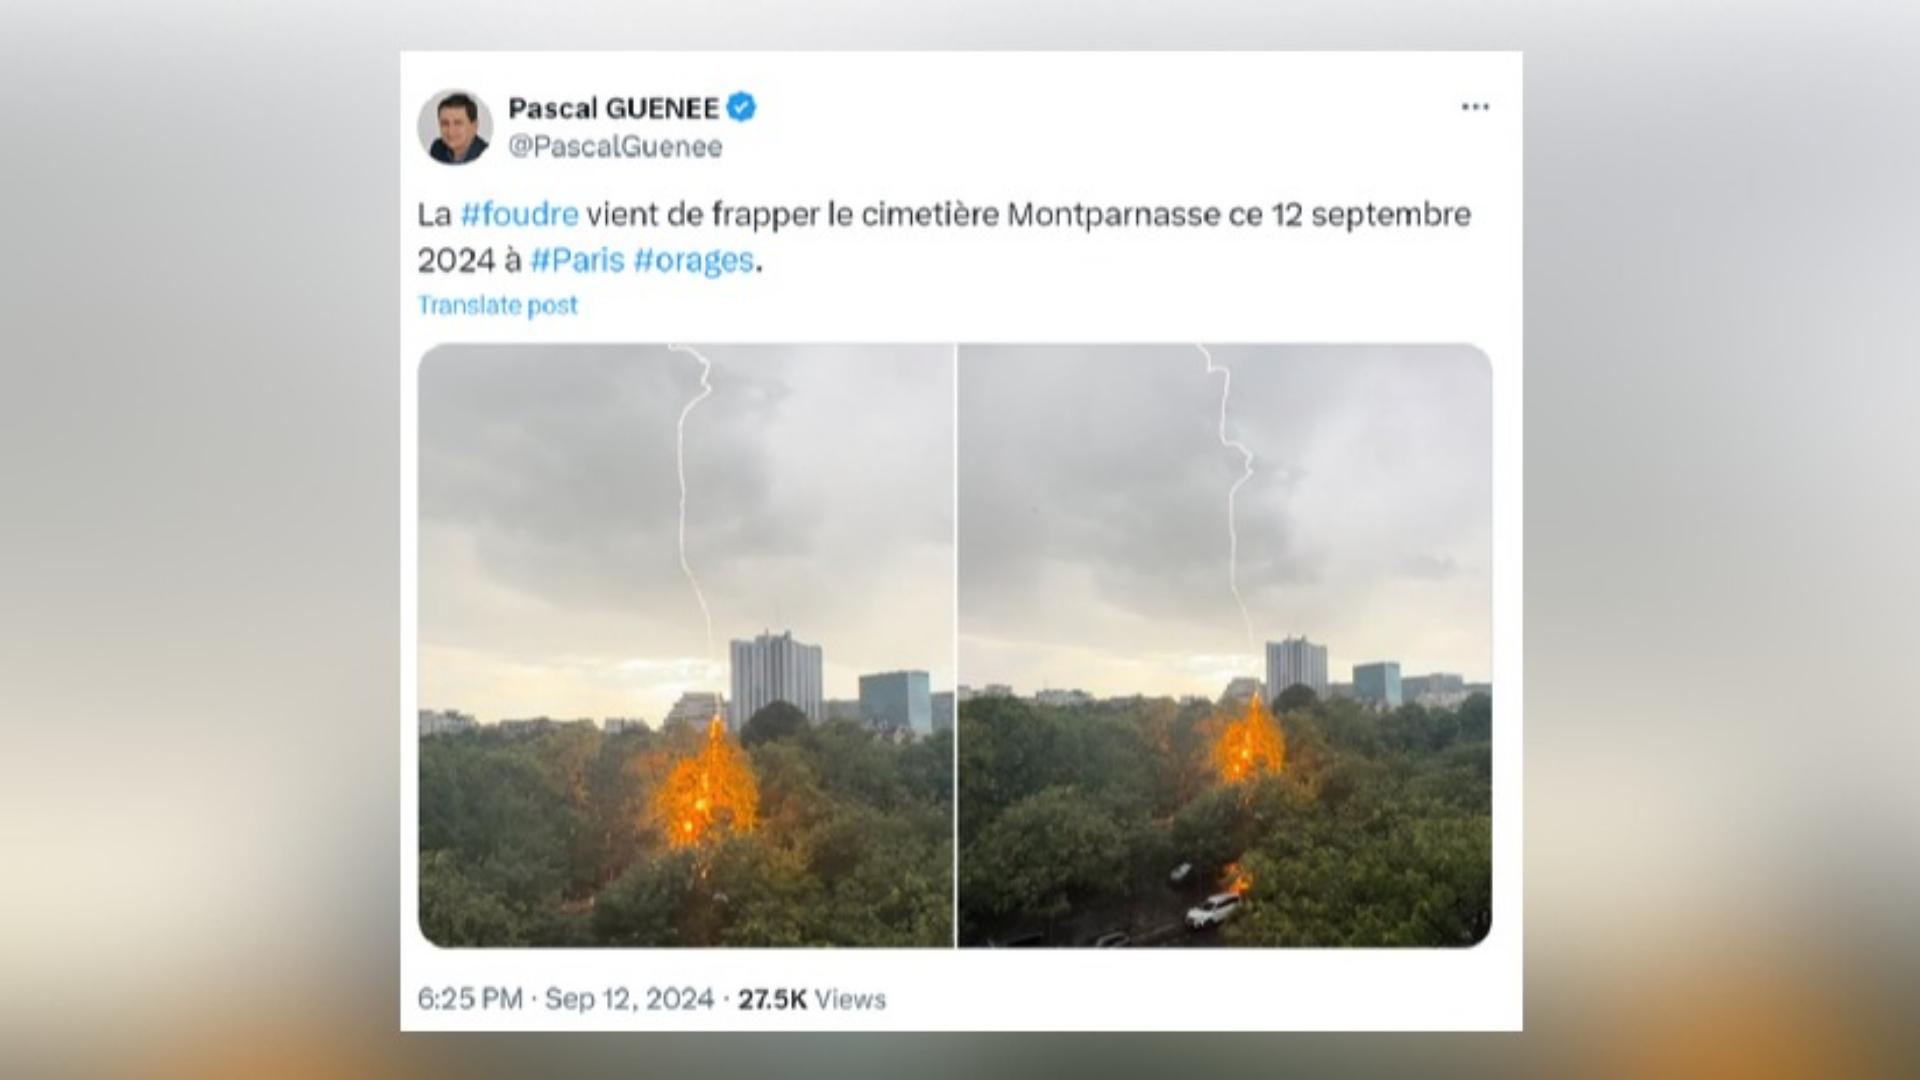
{"points": [[198, 531]]}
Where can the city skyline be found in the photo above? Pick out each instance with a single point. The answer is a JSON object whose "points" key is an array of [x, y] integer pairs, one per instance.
{"points": [[1094, 542], [819, 498], [1338, 674], [724, 697]]}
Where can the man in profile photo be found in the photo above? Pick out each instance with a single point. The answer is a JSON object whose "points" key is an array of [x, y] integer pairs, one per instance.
{"points": [[459, 140]]}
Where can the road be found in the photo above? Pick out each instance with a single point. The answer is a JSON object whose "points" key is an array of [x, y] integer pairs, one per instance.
{"points": [[1156, 919]]}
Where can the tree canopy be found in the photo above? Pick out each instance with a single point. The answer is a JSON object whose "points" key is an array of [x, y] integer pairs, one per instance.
{"points": [[1371, 828], [557, 838], [774, 720], [1296, 698]]}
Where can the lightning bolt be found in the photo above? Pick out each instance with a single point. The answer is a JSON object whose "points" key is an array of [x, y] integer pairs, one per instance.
{"points": [[680, 464], [1246, 460]]}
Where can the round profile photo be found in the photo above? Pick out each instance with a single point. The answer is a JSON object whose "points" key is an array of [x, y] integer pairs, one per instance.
{"points": [[455, 127]]}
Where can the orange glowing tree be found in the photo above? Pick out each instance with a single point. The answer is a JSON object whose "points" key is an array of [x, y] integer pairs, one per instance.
{"points": [[1236, 879], [1250, 746], [712, 791]]}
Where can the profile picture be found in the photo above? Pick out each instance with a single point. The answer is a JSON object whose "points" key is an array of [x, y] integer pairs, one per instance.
{"points": [[455, 127]]}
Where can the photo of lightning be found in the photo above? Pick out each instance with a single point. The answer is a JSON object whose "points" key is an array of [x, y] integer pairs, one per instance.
{"points": [[603, 762], [1142, 766]]}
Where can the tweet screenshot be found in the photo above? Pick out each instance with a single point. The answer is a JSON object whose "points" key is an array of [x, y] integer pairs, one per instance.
{"points": [[960, 541]]}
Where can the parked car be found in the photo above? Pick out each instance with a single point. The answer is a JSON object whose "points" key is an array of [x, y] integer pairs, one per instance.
{"points": [[1113, 939], [1181, 873], [1213, 911]]}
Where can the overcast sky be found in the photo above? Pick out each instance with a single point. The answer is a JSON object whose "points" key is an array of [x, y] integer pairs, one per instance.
{"points": [[820, 499], [1093, 523]]}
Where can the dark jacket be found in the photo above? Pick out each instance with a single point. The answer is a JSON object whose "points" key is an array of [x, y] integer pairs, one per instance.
{"points": [[474, 150]]}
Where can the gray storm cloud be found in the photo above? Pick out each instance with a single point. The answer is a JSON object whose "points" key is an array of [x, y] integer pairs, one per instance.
{"points": [[819, 498], [1092, 507]]}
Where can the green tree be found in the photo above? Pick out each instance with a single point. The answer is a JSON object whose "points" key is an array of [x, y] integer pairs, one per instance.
{"points": [[900, 894], [455, 911], [1042, 852], [1416, 875], [1296, 698], [792, 798], [1209, 832], [649, 905], [758, 895], [775, 720], [852, 764], [1008, 751], [492, 805], [1476, 716], [926, 768], [616, 805]]}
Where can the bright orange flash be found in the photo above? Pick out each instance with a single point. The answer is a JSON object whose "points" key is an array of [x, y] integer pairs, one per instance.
{"points": [[1250, 745], [715, 789], [1237, 880]]}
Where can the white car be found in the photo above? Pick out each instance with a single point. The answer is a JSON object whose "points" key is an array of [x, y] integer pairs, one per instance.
{"points": [[1213, 911]]}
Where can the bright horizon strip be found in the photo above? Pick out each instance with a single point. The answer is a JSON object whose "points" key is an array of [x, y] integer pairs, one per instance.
{"points": [[1171, 674]]}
